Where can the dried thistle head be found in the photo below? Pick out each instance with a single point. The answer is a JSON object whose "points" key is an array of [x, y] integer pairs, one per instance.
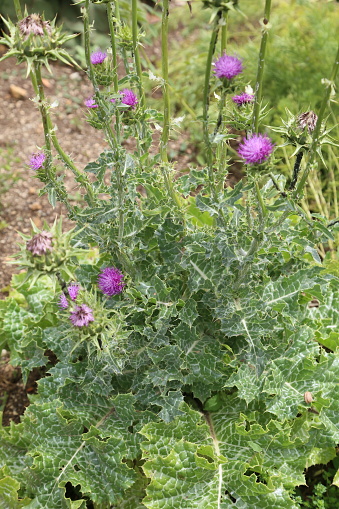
{"points": [[34, 24], [308, 397], [307, 119]]}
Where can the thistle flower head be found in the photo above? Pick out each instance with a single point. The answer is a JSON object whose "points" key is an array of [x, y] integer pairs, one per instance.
{"points": [[307, 119], [40, 243], [63, 302], [256, 149], [243, 99], [37, 161], [82, 316], [90, 103], [34, 24], [73, 290], [110, 281], [97, 57], [129, 98], [228, 67]]}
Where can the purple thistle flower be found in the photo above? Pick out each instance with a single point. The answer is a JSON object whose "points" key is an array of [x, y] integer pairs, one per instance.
{"points": [[256, 149], [129, 98], [98, 57], [81, 316], [37, 161], [227, 67], [110, 281], [243, 98], [63, 302], [73, 290], [90, 103], [40, 243]]}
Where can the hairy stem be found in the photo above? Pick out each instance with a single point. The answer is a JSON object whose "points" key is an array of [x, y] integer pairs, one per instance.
{"points": [[260, 71]]}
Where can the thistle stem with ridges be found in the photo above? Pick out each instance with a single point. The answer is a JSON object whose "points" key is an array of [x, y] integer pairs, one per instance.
{"points": [[136, 51], [206, 101], [296, 170], [113, 46], [35, 75], [260, 71]]}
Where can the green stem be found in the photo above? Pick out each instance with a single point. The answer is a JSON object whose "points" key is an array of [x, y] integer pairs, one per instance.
{"points": [[114, 46], [223, 41], [39, 88], [260, 71], [206, 101], [296, 170], [18, 10], [48, 135], [165, 91], [317, 129], [262, 207], [136, 51]]}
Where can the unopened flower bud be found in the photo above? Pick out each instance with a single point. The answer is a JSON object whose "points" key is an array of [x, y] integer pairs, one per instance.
{"points": [[307, 119], [34, 24], [308, 398], [40, 243]]}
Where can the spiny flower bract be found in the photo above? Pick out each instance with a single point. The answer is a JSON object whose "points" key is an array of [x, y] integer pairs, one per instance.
{"points": [[37, 161], [228, 67], [82, 316], [243, 98], [97, 57], [256, 149], [110, 281], [40, 243]]}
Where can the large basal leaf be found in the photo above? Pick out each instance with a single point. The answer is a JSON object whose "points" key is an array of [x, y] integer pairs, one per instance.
{"points": [[9, 492], [237, 457], [64, 448]]}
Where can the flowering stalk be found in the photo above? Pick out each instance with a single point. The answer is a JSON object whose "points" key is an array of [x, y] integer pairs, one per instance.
{"points": [[296, 170], [316, 132], [136, 51], [166, 99], [113, 140], [165, 91], [113, 46], [35, 75], [206, 100], [260, 71]]}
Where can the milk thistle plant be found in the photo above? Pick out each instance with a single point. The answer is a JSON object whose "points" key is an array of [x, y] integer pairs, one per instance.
{"points": [[193, 325]]}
